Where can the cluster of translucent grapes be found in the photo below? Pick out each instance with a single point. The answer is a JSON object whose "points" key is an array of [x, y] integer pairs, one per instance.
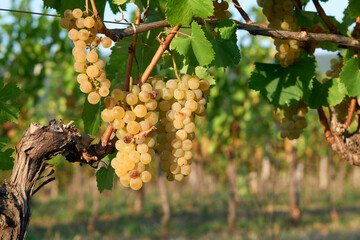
{"points": [[342, 109], [294, 121], [83, 31], [221, 9], [281, 15], [336, 66], [179, 102], [132, 115]]}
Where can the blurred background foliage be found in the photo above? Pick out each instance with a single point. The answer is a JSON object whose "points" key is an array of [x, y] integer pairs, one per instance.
{"points": [[247, 182]]}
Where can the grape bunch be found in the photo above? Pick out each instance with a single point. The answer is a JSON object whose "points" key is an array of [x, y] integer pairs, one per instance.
{"points": [[179, 102], [281, 15], [294, 121], [83, 32], [132, 115], [336, 66], [135, 116], [221, 9]]}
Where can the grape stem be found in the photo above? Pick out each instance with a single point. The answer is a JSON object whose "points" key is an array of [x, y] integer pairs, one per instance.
{"points": [[87, 7], [244, 15], [163, 46], [254, 29], [174, 64], [325, 18], [104, 141], [351, 111], [131, 49], [325, 125], [104, 30]]}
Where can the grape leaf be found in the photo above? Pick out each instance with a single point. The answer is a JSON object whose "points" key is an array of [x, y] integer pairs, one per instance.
{"points": [[282, 86], [330, 93], [9, 108], [182, 11], [104, 178], [6, 161], [309, 19], [227, 52], [118, 60], [350, 76], [354, 8], [52, 4], [197, 49], [203, 73], [91, 117]]}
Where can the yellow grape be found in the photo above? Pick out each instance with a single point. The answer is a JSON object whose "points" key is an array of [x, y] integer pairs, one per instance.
{"points": [[93, 98], [106, 42], [89, 22], [86, 87], [104, 91], [73, 34], [92, 71], [79, 23], [82, 78], [68, 14], [84, 34], [77, 13]]}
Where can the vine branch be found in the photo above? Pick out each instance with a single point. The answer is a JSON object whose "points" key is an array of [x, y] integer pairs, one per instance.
{"points": [[325, 18], [350, 112], [255, 29], [244, 15], [325, 125], [163, 46], [131, 53]]}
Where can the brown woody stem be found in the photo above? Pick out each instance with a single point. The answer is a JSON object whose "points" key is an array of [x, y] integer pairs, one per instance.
{"points": [[325, 125], [131, 53], [254, 29], [351, 111], [163, 46], [325, 18], [244, 15]]}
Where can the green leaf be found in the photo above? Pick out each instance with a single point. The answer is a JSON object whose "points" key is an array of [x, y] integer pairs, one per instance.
{"points": [[282, 86], [350, 76], [308, 19], [197, 49], [225, 45], [330, 93], [104, 178], [182, 11], [203, 73], [91, 117], [9, 108], [354, 8], [6, 161]]}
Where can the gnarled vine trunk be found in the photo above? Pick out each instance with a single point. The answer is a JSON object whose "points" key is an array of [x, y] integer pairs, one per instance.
{"points": [[38, 143]]}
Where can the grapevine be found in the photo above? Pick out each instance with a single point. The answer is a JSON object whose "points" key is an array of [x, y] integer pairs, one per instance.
{"points": [[83, 32]]}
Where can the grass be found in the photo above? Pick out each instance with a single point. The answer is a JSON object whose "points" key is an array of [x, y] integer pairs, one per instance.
{"points": [[192, 217]]}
